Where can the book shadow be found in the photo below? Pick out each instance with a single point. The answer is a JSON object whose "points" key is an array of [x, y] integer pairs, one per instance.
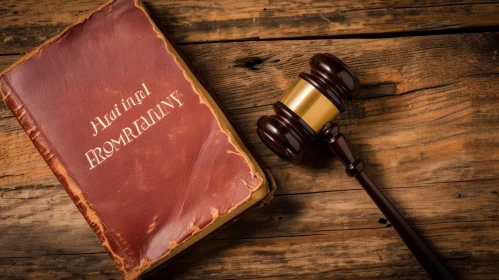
{"points": [[228, 246]]}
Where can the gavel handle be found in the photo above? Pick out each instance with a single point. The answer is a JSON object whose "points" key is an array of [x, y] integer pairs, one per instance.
{"points": [[425, 256]]}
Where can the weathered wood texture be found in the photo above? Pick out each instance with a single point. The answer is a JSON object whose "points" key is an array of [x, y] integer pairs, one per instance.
{"points": [[26, 24], [425, 124]]}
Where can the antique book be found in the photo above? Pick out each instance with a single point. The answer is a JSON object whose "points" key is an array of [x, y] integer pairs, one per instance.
{"points": [[144, 151]]}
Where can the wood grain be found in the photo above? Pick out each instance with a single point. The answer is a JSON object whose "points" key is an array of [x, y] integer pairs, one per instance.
{"points": [[343, 254], [425, 123], [412, 86], [46, 217], [26, 24]]}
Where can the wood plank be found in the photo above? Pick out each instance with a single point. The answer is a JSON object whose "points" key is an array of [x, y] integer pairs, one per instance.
{"points": [[84, 266], [253, 74], [468, 249], [345, 254], [446, 82], [48, 221], [27, 24]]}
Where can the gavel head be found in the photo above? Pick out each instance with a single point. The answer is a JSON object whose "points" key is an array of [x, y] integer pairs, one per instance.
{"points": [[307, 106]]}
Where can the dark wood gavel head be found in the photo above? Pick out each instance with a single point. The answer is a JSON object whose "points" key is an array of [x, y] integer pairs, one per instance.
{"points": [[307, 106]]}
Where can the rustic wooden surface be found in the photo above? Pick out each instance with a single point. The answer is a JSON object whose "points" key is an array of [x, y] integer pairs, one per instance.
{"points": [[426, 124]]}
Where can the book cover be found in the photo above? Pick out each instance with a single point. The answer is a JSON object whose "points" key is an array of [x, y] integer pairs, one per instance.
{"points": [[141, 147]]}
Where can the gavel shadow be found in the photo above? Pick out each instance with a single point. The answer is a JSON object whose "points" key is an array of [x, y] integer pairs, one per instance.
{"points": [[225, 247]]}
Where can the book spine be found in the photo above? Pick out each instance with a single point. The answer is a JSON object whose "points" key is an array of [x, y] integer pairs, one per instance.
{"points": [[51, 157], [24, 118]]}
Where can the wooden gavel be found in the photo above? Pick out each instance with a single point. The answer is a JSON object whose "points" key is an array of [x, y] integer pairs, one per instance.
{"points": [[303, 119]]}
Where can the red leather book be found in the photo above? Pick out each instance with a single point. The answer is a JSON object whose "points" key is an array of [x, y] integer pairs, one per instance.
{"points": [[138, 143]]}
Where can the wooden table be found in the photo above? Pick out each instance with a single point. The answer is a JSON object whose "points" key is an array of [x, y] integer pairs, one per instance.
{"points": [[426, 124]]}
